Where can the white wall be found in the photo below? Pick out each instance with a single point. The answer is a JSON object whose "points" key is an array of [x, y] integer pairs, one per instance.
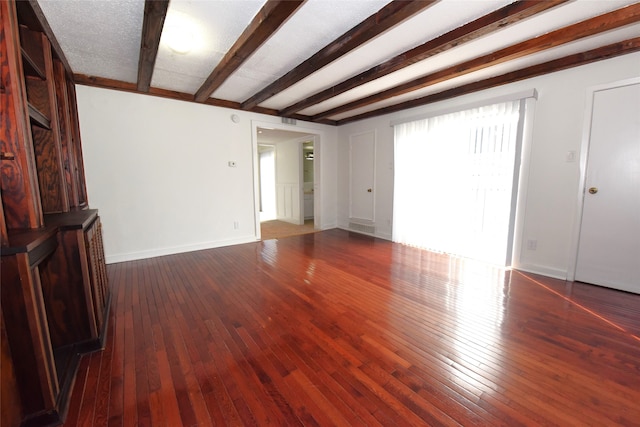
{"points": [[157, 170], [549, 207]]}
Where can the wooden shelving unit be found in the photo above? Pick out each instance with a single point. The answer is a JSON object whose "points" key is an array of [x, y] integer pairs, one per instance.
{"points": [[54, 289]]}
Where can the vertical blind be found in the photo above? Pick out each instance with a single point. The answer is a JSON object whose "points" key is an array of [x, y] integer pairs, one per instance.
{"points": [[453, 186]]}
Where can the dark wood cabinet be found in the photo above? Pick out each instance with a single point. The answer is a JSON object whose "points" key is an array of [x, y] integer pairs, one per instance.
{"points": [[10, 404], [79, 262], [54, 288], [28, 324]]}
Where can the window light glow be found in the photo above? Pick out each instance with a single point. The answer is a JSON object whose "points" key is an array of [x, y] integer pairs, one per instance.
{"points": [[453, 182]]}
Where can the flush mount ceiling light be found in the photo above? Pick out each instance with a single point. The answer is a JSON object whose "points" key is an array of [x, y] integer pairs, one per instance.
{"points": [[180, 33], [179, 40]]}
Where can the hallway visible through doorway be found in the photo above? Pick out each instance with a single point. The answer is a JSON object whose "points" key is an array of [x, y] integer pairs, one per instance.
{"points": [[279, 229]]}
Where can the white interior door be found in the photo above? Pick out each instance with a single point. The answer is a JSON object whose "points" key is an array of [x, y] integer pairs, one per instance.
{"points": [[362, 174], [609, 246]]}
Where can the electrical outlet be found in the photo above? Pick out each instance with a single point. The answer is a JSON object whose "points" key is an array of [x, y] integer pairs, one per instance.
{"points": [[532, 244]]}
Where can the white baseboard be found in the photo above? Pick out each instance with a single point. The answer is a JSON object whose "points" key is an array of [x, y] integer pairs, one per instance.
{"points": [[328, 226], [133, 256], [543, 271], [383, 236]]}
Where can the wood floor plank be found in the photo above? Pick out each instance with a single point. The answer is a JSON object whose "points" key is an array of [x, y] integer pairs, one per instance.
{"points": [[103, 389], [75, 401], [118, 279], [130, 414], [87, 409], [335, 328]]}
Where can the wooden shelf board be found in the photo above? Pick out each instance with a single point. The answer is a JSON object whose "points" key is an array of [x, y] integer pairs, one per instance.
{"points": [[31, 68], [38, 118]]}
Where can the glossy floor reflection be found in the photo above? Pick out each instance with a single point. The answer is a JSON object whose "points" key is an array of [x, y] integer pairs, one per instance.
{"points": [[335, 328]]}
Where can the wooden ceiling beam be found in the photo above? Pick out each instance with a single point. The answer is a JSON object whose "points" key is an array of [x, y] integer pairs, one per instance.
{"points": [[575, 60], [606, 22], [381, 21], [155, 12], [273, 14], [106, 83], [487, 24]]}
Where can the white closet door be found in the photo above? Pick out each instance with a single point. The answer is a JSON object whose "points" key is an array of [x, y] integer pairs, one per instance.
{"points": [[362, 176], [609, 248]]}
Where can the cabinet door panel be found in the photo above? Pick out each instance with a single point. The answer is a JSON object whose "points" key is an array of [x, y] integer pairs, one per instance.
{"points": [[76, 148], [66, 144], [65, 293], [10, 414], [28, 333], [93, 241]]}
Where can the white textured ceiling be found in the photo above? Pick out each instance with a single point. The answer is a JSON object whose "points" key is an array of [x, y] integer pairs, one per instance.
{"points": [[425, 26], [508, 36], [555, 53], [216, 26], [99, 38], [102, 38]]}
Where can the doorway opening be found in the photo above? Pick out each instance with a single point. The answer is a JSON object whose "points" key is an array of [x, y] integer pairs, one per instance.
{"points": [[287, 184], [308, 180]]}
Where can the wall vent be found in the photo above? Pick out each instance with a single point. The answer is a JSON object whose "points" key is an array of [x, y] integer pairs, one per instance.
{"points": [[362, 228], [288, 121]]}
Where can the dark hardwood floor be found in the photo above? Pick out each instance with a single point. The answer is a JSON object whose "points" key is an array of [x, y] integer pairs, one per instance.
{"points": [[334, 328]]}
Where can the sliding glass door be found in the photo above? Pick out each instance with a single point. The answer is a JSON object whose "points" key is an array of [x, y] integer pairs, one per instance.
{"points": [[456, 181]]}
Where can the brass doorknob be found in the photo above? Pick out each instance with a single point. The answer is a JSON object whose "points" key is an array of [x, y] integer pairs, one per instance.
{"points": [[593, 190], [369, 190]]}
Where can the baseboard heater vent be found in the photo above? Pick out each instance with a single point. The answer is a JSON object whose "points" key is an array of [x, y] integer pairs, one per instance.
{"points": [[363, 228]]}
